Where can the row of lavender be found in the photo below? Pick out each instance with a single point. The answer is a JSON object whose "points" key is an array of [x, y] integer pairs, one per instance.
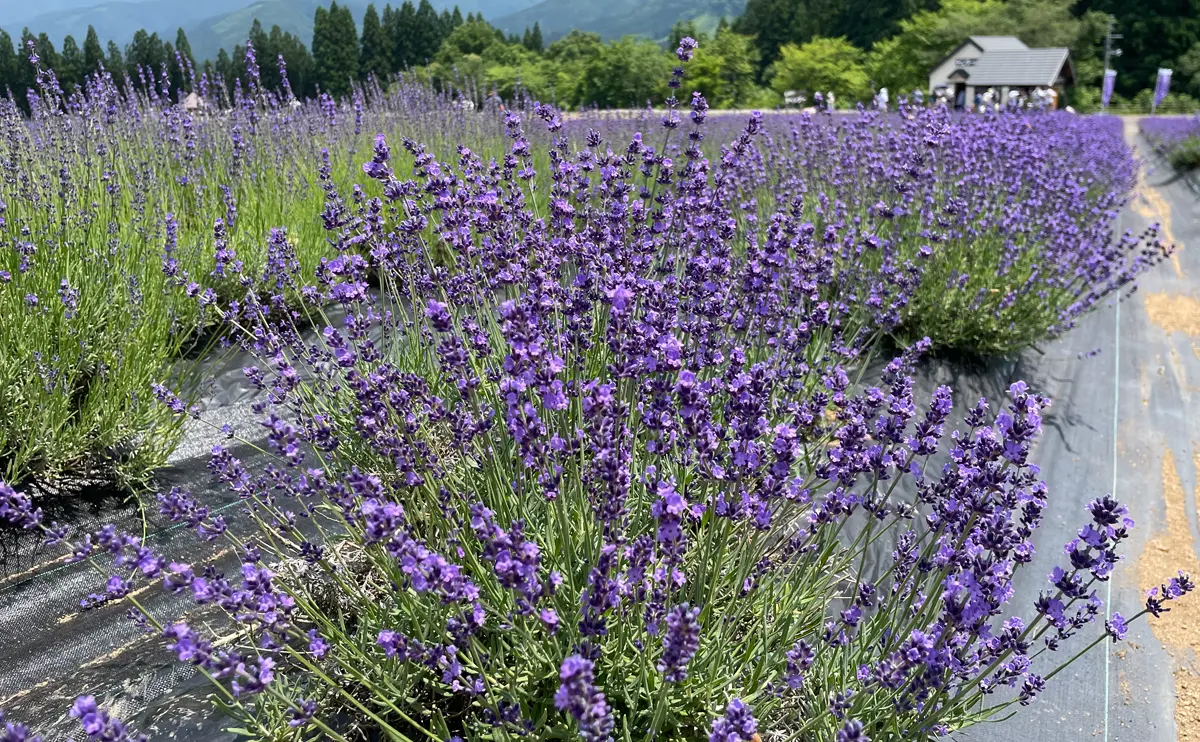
{"points": [[991, 236], [1176, 138], [597, 459], [109, 203]]}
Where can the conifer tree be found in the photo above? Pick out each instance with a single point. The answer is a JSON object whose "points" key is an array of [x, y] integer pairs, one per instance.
{"points": [[373, 53], [9, 62], [401, 35], [426, 34], [335, 49], [72, 64], [93, 53], [536, 43]]}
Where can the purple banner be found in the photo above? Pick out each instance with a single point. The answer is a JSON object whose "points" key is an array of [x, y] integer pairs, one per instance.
{"points": [[1162, 86], [1110, 81]]}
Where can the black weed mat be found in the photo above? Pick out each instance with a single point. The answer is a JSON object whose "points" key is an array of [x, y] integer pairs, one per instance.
{"points": [[1115, 415]]}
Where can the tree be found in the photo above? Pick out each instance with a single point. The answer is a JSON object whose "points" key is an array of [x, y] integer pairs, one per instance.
{"points": [[24, 77], [224, 70], [426, 34], [536, 43], [50, 59], [1157, 33], [146, 55], [456, 19], [299, 62], [181, 62], [472, 39], [816, 18], [93, 53], [335, 49], [822, 65], [114, 61], [265, 56], [679, 31], [902, 62], [574, 47], [401, 35], [769, 22], [72, 64], [627, 72], [9, 61], [1187, 70], [183, 46], [864, 22], [723, 70], [374, 58]]}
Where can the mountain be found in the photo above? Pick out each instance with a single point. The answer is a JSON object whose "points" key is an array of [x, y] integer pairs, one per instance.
{"points": [[210, 24], [227, 29], [117, 19], [19, 12], [615, 18]]}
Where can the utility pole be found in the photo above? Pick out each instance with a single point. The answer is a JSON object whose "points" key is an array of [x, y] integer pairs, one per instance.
{"points": [[1109, 50]]}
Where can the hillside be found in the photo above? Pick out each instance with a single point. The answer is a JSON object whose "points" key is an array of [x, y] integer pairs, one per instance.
{"points": [[119, 19], [616, 18], [226, 31], [210, 24]]}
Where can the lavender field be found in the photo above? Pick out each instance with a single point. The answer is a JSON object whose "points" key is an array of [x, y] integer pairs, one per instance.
{"points": [[612, 426]]}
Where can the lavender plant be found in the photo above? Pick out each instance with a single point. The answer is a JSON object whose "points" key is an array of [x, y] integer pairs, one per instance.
{"points": [[610, 469], [1009, 217], [1175, 138], [107, 204]]}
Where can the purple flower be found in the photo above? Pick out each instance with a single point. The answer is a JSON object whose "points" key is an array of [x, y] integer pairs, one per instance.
{"points": [[687, 46], [680, 642], [98, 725], [852, 731], [737, 725], [578, 696]]}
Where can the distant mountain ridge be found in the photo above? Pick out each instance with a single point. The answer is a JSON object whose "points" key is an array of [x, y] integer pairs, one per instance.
{"points": [[209, 24], [215, 24], [615, 18]]}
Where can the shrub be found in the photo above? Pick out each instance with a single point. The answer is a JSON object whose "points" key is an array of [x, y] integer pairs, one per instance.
{"points": [[107, 202], [616, 483], [1008, 224], [1176, 138], [1185, 155]]}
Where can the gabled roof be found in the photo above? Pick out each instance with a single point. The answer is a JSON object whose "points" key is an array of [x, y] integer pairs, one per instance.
{"points": [[1027, 67], [986, 44], [999, 43]]}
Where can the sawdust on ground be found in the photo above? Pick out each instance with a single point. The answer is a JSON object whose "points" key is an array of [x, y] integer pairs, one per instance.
{"points": [[1174, 313], [1149, 204], [1172, 549]]}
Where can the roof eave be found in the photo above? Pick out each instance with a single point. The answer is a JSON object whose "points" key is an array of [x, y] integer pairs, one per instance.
{"points": [[956, 50]]}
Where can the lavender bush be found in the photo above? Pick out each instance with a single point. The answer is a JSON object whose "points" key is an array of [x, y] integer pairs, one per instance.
{"points": [[109, 203], [609, 469], [1176, 138], [1008, 219]]}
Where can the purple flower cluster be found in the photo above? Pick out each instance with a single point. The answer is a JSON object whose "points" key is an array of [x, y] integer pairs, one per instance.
{"points": [[578, 696]]}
